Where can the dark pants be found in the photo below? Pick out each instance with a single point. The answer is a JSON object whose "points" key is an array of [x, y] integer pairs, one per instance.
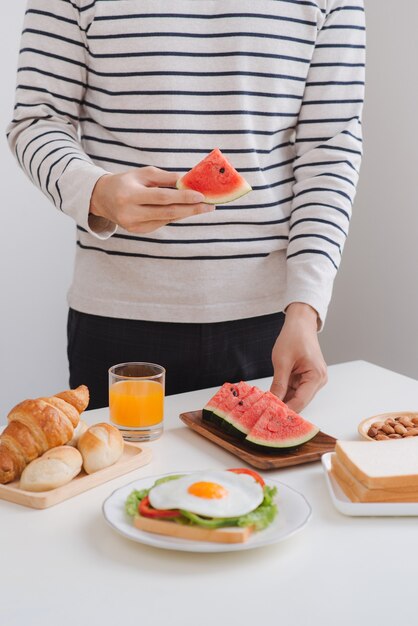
{"points": [[195, 356]]}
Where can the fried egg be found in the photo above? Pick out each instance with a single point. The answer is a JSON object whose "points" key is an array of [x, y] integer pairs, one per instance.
{"points": [[209, 493]]}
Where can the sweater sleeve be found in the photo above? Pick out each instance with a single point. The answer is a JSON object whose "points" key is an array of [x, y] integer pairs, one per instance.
{"points": [[328, 156], [43, 135]]}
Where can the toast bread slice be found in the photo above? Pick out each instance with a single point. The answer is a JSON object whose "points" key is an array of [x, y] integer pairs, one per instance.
{"points": [[357, 492], [387, 464], [232, 534]]}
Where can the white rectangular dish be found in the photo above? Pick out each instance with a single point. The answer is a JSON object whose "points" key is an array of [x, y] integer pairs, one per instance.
{"points": [[363, 509]]}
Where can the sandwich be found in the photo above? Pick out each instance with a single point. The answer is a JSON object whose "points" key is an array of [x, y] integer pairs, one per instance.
{"points": [[224, 506]]}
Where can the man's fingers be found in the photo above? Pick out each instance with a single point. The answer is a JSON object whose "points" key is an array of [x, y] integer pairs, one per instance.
{"points": [[156, 177], [160, 196], [172, 212], [280, 380], [303, 395], [146, 218]]}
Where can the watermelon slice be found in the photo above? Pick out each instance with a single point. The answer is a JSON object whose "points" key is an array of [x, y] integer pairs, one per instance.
{"points": [[234, 418], [228, 396], [279, 431], [246, 413], [215, 177], [259, 417]]}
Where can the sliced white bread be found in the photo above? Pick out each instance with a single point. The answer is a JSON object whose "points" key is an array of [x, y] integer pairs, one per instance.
{"points": [[357, 492], [381, 464]]}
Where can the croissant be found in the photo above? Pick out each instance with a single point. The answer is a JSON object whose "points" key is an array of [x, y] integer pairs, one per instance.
{"points": [[35, 426]]}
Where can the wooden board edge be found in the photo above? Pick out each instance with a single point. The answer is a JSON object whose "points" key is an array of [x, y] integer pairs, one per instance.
{"points": [[46, 499], [194, 533], [253, 458]]}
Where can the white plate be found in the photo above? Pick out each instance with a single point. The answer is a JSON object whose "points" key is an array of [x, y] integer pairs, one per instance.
{"points": [[363, 509], [294, 513]]}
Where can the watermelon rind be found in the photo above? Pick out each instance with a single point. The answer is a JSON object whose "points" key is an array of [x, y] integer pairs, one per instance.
{"points": [[207, 414], [288, 443], [225, 199], [228, 427]]}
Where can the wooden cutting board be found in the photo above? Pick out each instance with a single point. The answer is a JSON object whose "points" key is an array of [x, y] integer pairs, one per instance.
{"points": [[308, 452], [132, 458]]}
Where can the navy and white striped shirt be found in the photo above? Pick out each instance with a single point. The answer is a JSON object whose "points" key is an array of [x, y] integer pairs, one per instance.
{"points": [[277, 85]]}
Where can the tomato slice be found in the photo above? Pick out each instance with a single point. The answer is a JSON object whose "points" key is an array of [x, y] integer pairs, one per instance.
{"points": [[244, 470], [146, 510]]}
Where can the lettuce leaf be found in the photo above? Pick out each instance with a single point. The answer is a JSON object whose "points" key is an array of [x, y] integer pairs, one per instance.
{"points": [[167, 479], [209, 522], [133, 500], [264, 514]]}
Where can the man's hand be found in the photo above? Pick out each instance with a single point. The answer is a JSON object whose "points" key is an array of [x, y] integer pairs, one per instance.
{"points": [[299, 367], [142, 200]]}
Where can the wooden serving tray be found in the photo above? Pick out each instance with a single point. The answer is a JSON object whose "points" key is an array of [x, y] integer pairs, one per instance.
{"points": [[308, 452], [133, 457]]}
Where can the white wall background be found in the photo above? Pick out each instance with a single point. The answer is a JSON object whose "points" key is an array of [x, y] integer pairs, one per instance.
{"points": [[374, 313], [36, 256]]}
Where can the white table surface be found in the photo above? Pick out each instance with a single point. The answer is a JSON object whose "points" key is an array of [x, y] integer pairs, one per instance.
{"points": [[65, 566]]}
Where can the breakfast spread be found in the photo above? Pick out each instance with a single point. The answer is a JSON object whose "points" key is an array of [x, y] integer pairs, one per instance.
{"points": [[396, 427], [216, 506], [47, 445], [387, 472], [258, 417]]}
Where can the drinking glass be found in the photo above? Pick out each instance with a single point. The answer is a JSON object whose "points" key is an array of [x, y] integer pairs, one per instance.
{"points": [[136, 400]]}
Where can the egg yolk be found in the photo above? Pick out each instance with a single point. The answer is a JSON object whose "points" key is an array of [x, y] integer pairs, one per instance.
{"points": [[209, 491]]}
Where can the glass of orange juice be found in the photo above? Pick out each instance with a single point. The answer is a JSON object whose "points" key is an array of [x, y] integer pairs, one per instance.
{"points": [[136, 400]]}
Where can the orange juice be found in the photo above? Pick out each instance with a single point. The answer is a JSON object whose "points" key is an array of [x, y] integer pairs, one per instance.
{"points": [[136, 403]]}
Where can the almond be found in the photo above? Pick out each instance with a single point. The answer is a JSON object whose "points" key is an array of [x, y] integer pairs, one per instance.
{"points": [[378, 425], [405, 421], [387, 429], [381, 437], [400, 430]]}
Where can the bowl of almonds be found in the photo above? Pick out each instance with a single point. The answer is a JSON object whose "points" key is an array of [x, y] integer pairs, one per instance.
{"points": [[389, 426]]}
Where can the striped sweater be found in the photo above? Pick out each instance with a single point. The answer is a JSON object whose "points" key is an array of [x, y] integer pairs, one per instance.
{"points": [[277, 85]]}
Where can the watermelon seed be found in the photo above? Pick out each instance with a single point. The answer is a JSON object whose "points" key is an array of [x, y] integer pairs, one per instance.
{"points": [[235, 392], [222, 170], [240, 403]]}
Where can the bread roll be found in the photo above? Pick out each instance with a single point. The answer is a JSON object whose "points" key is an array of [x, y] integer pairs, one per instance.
{"points": [[100, 446], [78, 431], [53, 469]]}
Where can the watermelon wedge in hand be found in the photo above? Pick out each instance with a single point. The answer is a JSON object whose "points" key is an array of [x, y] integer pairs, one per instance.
{"points": [[215, 177]]}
